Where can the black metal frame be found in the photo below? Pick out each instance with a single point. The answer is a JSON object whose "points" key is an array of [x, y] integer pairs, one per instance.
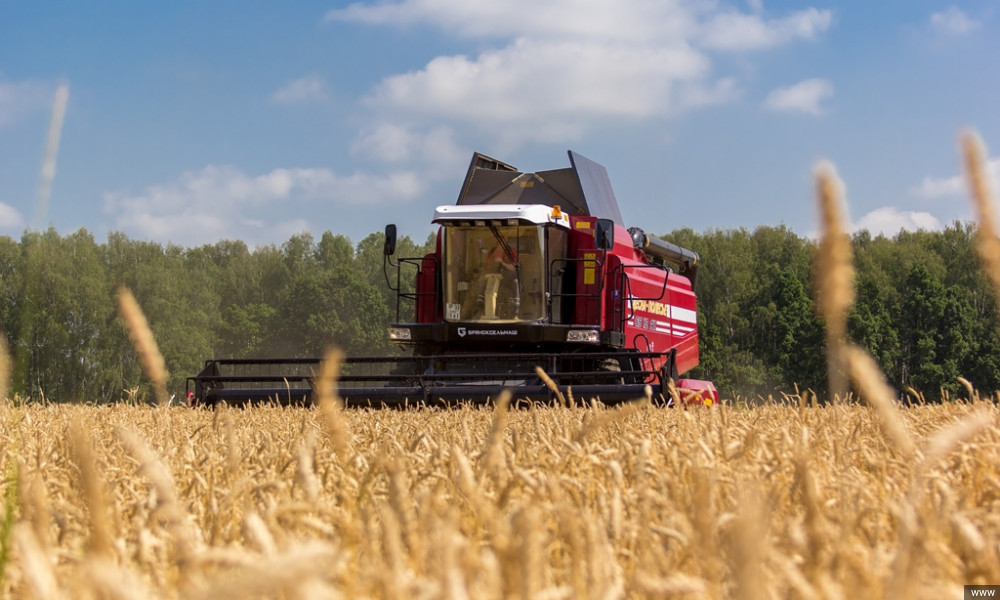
{"points": [[418, 264], [445, 379], [625, 285]]}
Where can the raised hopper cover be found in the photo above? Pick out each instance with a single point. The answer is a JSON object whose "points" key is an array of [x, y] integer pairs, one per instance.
{"points": [[582, 189]]}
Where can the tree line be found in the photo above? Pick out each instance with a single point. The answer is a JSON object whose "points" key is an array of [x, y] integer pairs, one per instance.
{"points": [[58, 313], [924, 308]]}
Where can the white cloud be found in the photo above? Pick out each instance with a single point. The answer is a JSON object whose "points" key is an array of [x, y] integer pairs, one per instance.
{"points": [[544, 90], [804, 96], [937, 187], [953, 21], [555, 19], [300, 91], [889, 221], [10, 218], [435, 151], [699, 94], [740, 31], [387, 142], [567, 66], [223, 202], [20, 98], [368, 189], [440, 151], [944, 187]]}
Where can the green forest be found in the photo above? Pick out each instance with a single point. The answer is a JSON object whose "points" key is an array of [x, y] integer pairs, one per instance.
{"points": [[924, 309]]}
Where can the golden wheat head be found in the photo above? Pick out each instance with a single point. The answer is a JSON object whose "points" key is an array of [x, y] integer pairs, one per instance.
{"points": [[834, 272], [145, 344], [330, 403], [982, 191]]}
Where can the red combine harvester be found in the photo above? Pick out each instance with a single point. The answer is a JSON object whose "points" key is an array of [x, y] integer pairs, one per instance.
{"points": [[530, 270]]}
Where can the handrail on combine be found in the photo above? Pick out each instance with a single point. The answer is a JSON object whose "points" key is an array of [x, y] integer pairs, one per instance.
{"points": [[621, 274], [554, 272], [414, 296]]}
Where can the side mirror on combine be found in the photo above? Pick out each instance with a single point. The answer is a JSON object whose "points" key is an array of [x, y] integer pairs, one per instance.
{"points": [[604, 234], [390, 240]]}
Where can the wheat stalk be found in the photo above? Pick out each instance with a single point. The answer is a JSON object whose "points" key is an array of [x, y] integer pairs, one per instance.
{"points": [[982, 191], [37, 565], [943, 443], [36, 508], [257, 532], [5, 368], [114, 581], [145, 343], [151, 465], [549, 383], [775, 501], [304, 474], [276, 576], [330, 404], [834, 272], [92, 484], [493, 455], [874, 389]]}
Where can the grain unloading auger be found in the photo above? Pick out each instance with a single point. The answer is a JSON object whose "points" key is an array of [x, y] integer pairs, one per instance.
{"points": [[530, 270]]}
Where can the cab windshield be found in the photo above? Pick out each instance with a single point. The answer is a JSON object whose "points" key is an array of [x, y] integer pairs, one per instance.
{"points": [[494, 273]]}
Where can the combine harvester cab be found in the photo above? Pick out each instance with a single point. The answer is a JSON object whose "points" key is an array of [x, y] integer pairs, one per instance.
{"points": [[530, 270]]}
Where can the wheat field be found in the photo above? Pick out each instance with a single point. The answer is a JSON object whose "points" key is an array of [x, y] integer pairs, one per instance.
{"points": [[859, 498], [780, 501]]}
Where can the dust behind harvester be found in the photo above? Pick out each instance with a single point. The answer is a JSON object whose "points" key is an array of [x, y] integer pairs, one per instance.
{"points": [[529, 270]]}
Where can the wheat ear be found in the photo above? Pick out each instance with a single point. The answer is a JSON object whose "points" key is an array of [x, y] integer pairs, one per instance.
{"points": [[330, 403], [834, 274], [549, 383], [144, 342], [982, 191]]}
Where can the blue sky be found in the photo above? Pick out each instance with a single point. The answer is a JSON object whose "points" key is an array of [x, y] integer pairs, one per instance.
{"points": [[190, 122]]}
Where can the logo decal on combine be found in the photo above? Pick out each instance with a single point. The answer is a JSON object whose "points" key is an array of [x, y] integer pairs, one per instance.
{"points": [[462, 332], [677, 321]]}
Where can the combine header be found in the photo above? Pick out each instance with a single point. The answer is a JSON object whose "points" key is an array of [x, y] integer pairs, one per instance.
{"points": [[530, 270]]}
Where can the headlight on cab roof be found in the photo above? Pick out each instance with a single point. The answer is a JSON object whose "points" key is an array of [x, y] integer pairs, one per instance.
{"points": [[591, 336], [399, 333]]}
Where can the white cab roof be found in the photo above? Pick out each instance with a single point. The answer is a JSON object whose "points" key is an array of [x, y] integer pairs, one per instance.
{"points": [[533, 213]]}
